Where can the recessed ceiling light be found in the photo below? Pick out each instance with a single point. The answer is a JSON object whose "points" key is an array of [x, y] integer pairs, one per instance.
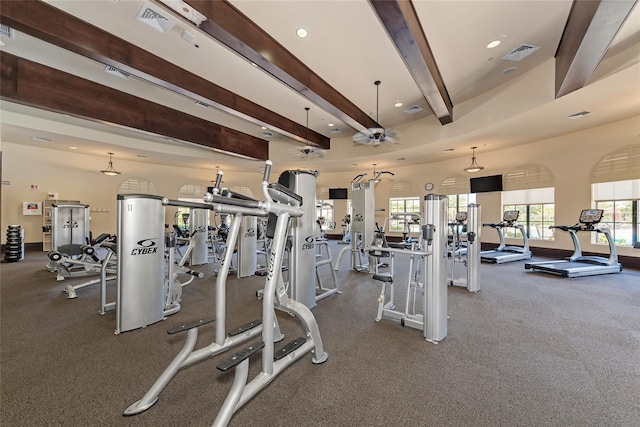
{"points": [[73, 148], [264, 128], [508, 71], [493, 44], [330, 124], [302, 32], [398, 104]]}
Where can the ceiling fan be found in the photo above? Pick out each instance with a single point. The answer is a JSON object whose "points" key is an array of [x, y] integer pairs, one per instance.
{"points": [[307, 151], [378, 135]]}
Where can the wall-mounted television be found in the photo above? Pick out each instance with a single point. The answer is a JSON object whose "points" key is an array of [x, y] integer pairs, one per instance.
{"points": [[486, 184], [338, 194]]}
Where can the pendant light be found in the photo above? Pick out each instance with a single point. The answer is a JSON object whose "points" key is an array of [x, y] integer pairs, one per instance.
{"points": [[110, 171], [475, 167]]}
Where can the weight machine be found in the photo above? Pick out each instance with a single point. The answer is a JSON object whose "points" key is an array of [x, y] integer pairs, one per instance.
{"points": [[427, 273], [283, 204], [472, 261], [362, 222]]}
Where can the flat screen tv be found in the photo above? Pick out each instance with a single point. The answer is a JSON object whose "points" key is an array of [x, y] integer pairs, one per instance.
{"points": [[486, 184], [338, 193]]}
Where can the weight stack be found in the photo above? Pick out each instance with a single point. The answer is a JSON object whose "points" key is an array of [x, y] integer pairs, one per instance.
{"points": [[14, 249]]}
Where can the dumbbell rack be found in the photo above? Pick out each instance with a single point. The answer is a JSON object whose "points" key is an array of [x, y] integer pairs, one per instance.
{"points": [[14, 249]]}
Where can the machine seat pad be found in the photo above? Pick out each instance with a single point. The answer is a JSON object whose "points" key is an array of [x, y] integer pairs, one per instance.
{"points": [[70, 250], [383, 278], [240, 355], [101, 238], [289, 347], [244, 328], [190, 325]]}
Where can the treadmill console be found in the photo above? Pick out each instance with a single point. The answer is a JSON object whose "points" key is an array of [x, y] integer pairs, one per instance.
{"points": [[591, 216], [510, 216], [461, 217]]}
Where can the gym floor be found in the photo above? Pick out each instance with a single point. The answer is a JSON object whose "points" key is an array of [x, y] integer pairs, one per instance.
{"points": [[529, 349]]}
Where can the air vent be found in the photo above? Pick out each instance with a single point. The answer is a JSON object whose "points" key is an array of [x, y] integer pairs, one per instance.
{"points": [[267, 135], [579, 115], [202, 104], [155, 19], [521, 52], [117, 72], [413, 110], [335, 130], [6, 31]]}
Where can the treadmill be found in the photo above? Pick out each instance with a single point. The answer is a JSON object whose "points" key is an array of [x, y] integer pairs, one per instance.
{"points": [[577, 264], [504, 253]]}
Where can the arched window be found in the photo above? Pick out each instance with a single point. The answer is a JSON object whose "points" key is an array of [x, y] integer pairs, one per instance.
{"points": [[137, 186], [530, 190], [615, 188]]}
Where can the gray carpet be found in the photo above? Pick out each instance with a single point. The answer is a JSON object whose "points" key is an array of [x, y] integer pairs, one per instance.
{"points": [[530, 349]]}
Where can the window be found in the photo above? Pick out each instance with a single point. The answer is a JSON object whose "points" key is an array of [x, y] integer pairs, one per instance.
{"points": [[459, 203], [189, 193], [400, 224], [537, 212], [620, 201], [324, 214], [137, 186]]}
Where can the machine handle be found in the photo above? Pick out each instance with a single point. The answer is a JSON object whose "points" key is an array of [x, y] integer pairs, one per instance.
{"points": [[267, 171], [218, 182]]}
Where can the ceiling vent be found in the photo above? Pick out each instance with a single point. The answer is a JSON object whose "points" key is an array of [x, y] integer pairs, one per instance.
{"points": [[335, 130], [521, 52], [6, 31], [413, 110], [267, 135], [155, 19], [117, 72], [579, 115]]}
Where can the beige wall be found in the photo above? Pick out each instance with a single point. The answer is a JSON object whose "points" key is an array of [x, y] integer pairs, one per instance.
{"points": [[570, 158]]}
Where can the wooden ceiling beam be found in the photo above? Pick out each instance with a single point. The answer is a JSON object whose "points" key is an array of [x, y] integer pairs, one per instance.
{"points": [[590, 29], [35, 85], [401, 21], [233, 29], [54, 26]]}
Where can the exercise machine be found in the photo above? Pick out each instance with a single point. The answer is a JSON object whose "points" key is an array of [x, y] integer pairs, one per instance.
{"points": [[362, 222], [284, 204], [577, 264], [427, 273], [458, 246], [346, 230], [304, 285], [471, 282], [147, 291], [70, 230], [87, 263], [504, 253]]}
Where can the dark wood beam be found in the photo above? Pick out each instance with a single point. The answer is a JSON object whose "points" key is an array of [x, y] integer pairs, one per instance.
{"points": [[590, 29], [233, 29], [29, 83], [401, 21], [54, 26]]}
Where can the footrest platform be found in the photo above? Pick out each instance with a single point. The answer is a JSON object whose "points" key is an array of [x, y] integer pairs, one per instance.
{"points": [[289, 347], [244, 328], [239, 356], [190, 325]]}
